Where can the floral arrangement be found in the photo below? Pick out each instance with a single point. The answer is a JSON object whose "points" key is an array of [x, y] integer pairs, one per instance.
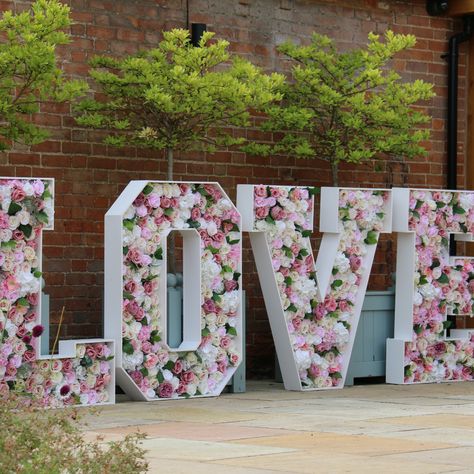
{"points": [[319, 328], [440, 287], [26, 207], [158, 371]]}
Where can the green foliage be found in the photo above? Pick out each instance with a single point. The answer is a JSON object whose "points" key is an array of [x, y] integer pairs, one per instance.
{"points": [[28, 71], [177, 96], [41, 441], [349, 106]]}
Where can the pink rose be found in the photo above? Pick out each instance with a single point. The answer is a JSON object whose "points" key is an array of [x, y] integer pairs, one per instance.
{"points": [[18, 194], [225, 342], [91, 351], [165, 390], [178, 367], [188, 376], [150, 361], [165, 202], [195, 213], [153, 200], [260, 191], [230, 285]]}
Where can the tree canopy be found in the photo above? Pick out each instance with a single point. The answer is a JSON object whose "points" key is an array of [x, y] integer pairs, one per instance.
{"points": [[177, 96], [29, 74], [347, 106]]}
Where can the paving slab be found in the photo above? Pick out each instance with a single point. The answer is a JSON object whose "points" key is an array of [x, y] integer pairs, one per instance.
{"points": [[435, 421], [195, 431], [191, 450], [332, 444], [311, 463]]}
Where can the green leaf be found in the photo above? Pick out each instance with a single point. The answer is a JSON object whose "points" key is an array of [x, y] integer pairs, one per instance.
{"points": [[22, 302], [458, 209], [26, 229], [11, 244], [447, 324], [443, 279], [144, 371], [372, 237], [292, 308], [37, 274], [160, 377], [158, 253], [336, 284], [231, 330], [270, 219], [147, 189], [127, 346], [306, 233], [418, 329], [154, 336], [227, 269], [423, 280], [128, 296], [42, 217], [193, 224], [336, 375], [13, 208], [86, 361], [129, 224], [216, 297], [288, 281], [124, 250], [169, 365], [205, 332]]}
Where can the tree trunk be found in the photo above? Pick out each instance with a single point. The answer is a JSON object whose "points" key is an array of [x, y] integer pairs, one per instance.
{"points": [[171, 243], [169, 158], [334, 173]]}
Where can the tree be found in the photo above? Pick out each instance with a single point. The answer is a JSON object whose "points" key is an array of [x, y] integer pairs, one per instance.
{"points": [[176, 96], [28, 71], [349, 106]]}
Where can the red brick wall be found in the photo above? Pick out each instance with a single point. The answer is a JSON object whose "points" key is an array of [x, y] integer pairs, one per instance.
{"points": [[89, 175]]}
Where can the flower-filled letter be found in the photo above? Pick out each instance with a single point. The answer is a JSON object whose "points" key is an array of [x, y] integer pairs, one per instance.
{"points": [[430, 286], [313, 308], [137, 230], [82, 372]]}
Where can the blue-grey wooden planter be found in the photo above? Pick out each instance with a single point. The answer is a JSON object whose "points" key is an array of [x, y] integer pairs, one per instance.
{"points": [[375, 326]]}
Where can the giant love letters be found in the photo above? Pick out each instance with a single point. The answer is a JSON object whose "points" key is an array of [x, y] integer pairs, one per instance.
{"points": [[313, 307], [82, 371]]}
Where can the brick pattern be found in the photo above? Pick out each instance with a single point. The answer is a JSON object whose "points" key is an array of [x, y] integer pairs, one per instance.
{"points": [[89, 175]]}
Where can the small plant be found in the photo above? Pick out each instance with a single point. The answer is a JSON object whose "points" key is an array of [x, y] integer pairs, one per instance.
{"points": [[28, 71], [349, 106], [38, 441]]}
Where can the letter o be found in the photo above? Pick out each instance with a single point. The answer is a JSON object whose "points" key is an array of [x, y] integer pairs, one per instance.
{"points": [[136, 230]]}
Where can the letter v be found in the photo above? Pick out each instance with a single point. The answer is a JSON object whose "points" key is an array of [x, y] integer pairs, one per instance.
{"points": [[313, 309]]}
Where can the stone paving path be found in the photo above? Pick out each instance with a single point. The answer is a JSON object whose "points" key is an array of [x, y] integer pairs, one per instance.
{"points": [[368, 429]]}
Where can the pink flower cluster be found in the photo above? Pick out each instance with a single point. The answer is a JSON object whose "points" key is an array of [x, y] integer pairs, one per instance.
{"points": [[440, 287], [26, 206], [319, 330], [147, 358]]}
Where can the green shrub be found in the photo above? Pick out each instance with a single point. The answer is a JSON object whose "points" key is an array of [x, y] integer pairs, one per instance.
{"points": [[41, 441]]}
